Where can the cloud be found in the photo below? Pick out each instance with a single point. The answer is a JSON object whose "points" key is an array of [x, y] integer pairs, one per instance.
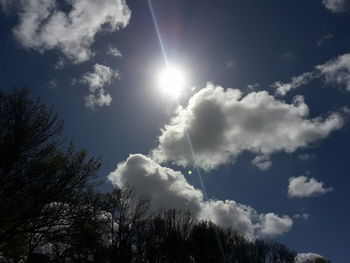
{"points": [[230, 64], [170, 189], [304, 216], [96, 80], [253, 87], [98, 99], [228, 213], [100, 76], [307, 156], [52, 84], [303, 186], [262, 162], [220, 124], [5, 5], [283, 88], [335, 72], [325, 39], [336, 6], [113, 51], [274, 225], [307, 258], [289, 56], [45, 24]]}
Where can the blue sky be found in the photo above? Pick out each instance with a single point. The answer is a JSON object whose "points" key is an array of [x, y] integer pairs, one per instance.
{"points": [[262, 121]]}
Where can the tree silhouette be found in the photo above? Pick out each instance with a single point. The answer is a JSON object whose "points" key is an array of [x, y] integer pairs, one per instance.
{"points": [[128, 216], [38, 176]]}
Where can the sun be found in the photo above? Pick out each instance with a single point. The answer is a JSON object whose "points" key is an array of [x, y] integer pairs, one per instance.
{"points": [[171, 80]]}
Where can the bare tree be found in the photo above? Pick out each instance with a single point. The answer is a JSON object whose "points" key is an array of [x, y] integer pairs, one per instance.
{"points": [[35, 169]]}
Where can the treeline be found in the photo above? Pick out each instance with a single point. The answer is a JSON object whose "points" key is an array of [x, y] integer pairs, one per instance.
{"points": [[117, 227], [50, 210]]}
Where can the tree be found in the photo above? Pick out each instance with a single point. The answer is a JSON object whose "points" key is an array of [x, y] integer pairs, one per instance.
{"points": [[39, 176], [167, 237], [127, 215], [207, 242]]}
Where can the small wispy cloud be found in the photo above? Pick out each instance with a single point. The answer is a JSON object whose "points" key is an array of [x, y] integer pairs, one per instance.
{"points": [[263, 162], [289, 56], [97, 79], [335, 6], [52, 84], [335, 72], [230, 64], [307, 156], [283, 88], [113, 51], [303, 216], [324, 39]]}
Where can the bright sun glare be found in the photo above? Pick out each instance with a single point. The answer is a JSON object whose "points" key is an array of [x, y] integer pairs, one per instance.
{"points": [[171, 81]]}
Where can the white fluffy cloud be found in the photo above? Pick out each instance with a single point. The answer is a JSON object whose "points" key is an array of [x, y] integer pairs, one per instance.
{"points": [[272, 224], [228, 213], [45, 25], [220, 124], [96, 80], [336, 6], [303, 186], [307, 258], [166, 187], [170, 189]]}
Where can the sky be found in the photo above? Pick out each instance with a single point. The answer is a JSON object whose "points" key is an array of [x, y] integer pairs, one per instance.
{"points": [[252, 129]]}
